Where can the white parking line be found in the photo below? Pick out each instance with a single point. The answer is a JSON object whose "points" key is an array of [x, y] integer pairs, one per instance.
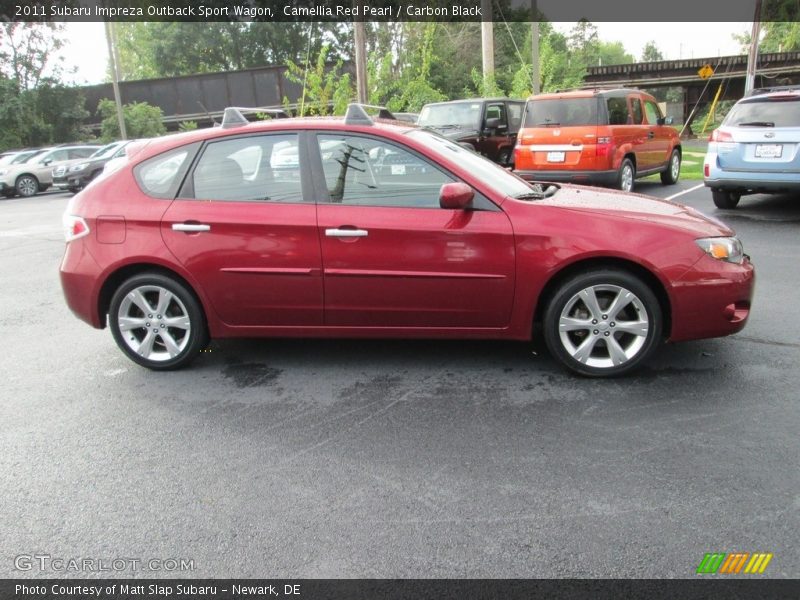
{"points": [[691, 189]]}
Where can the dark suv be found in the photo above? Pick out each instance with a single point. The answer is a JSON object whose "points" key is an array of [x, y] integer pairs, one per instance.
{"points": [[488, 125]]}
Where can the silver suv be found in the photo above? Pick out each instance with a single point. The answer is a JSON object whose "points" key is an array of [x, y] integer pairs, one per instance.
{"points": [[757, 148], [35, 175]]}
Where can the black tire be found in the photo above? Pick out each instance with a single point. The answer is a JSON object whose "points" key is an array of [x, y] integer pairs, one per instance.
{"points": [[626, 176], [587, 350], [27, 186], [673, 172], [182, 304], [74, 189], [9, 194], [724, 199], [504, 157]]}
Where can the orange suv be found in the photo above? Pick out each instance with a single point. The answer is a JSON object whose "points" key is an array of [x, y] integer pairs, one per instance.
{"points": [[597, 137]]}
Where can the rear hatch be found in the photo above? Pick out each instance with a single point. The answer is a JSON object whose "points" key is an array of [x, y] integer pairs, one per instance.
{"points": [[761, 135], [559, 133]]}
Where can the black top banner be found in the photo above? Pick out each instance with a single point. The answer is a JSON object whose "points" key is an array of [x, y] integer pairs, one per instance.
{"points": [[403, 10]]}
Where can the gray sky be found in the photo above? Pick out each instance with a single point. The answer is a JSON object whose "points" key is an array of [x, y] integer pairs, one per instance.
{"points": [[86, 45]]}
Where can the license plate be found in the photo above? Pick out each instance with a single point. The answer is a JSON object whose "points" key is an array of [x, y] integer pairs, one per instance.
{"points": [[555, 157], [769, 150]]}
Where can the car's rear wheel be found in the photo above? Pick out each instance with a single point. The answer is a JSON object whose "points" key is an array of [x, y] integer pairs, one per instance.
{"points": [[627, 174], [602, 323], [504, 157], [673, 172], [157, 322], [725, 199], [74, 189], [27, 185]]}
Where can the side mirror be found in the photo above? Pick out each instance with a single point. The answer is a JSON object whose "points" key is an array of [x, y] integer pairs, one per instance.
{"points": [[492, 123], [664, 121], [47, 161], [456, 196]]}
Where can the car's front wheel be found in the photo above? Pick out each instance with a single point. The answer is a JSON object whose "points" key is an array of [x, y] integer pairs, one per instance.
{"points": [[157, 322], [724, 199], [602, 323], [27, 185], [673, 172]]}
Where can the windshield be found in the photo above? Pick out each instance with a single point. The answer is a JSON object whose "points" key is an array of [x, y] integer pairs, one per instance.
{"points": [[562, 112], [466, 115], [24, 156], [482, 168], [106, 151], [766, 112]]}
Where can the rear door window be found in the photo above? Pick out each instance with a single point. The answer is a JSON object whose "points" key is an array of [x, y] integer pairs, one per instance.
{"points": [[636, 111]]}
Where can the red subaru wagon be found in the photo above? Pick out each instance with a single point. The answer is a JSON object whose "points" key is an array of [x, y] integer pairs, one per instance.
{"points": [[362, 227]]}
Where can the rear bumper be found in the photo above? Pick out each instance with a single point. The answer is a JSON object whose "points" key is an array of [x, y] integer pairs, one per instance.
{"points": [[712, 299], [80, 274], [749, 183], [605, 178]]}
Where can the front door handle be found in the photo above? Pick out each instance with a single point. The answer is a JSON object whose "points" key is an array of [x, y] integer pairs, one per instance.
{"points": [[190, 227], [651, 135], [344, 233]]}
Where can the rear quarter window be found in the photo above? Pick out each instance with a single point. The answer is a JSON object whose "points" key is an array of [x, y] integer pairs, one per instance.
{"points": [[161, 175]]}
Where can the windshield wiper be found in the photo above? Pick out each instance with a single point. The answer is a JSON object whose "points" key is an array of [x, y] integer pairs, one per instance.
{"points": [[756, 124], [538, 192], [547, 124]]}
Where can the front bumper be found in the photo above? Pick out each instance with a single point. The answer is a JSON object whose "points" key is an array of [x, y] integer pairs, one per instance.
{"points": [[605, 178], [712, 299]]}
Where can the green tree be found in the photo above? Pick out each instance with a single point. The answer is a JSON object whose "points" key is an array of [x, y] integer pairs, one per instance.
{"points": [[651, 52], [27, 50], [142, 120], [612, 53], [168, 49], [325, 89]]}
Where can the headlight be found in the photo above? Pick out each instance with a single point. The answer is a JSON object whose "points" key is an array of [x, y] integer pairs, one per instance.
{"points": [[728, 249], [78, 167]]}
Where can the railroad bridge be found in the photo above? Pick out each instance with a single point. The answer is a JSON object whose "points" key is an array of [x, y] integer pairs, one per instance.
{"points": [[779, 68], [204, 96]]}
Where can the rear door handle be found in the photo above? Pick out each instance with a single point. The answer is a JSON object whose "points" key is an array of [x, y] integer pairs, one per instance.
{"points": [[190, 227], [651, 135], [342, 233]]}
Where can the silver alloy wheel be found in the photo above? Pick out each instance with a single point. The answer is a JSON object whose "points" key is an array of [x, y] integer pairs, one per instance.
{"points": [[675, 166], [27, 186], [154, 323], [626, 178], [604, 326]]}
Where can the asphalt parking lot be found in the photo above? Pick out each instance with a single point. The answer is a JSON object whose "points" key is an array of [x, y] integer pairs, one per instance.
{"points": [[398, 458]]}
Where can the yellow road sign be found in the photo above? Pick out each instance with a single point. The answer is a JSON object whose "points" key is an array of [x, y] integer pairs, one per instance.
{"points": [[705, 71]]}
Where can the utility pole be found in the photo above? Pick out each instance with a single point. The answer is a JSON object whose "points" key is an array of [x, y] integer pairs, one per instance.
{"points": [[535, 76], [113, 58], [752, 55], [360, 35], [487, 40]]}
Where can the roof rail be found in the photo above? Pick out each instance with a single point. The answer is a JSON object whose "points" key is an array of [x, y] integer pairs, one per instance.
{"points": [[357, 115], [234, 117], [775, 88]]}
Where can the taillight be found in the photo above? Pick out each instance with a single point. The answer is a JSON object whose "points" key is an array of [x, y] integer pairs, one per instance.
{"points": [[74, 227], [720, 136], [706, 170], [603, 146]]}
